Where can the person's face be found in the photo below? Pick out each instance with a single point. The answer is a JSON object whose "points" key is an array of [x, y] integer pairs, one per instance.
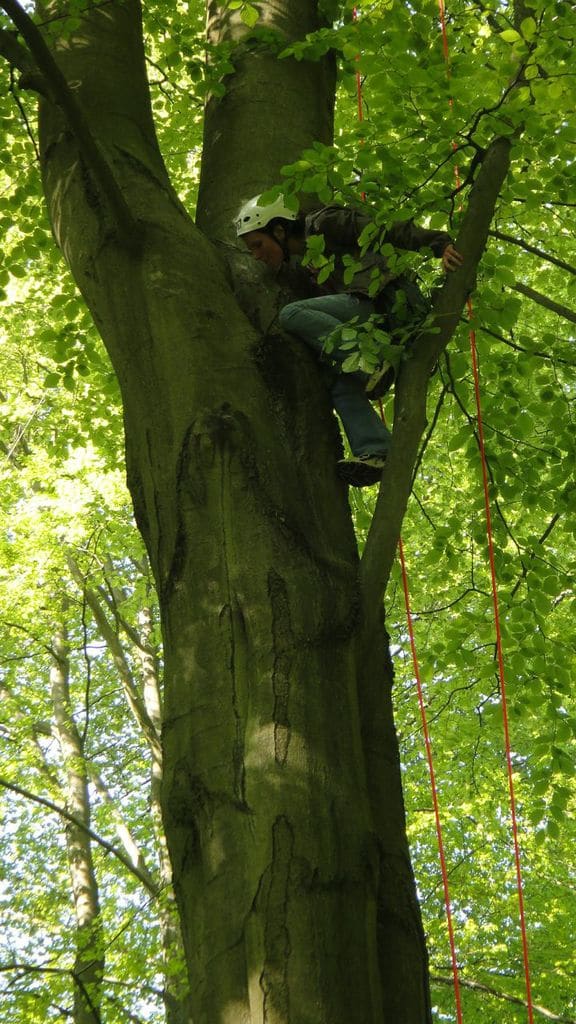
{"points": [[265, 248]]}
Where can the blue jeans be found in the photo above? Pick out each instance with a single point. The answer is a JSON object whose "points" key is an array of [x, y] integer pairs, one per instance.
{"points": [[313, 320]]}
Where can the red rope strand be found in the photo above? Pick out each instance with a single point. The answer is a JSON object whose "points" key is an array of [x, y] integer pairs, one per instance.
{"points": [[433, 785], [497, 626], [501, 674]]}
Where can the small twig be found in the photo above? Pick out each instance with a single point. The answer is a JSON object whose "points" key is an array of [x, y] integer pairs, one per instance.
{"points": [[536, 353], [430, 431], [533, 249], [23, 114]]}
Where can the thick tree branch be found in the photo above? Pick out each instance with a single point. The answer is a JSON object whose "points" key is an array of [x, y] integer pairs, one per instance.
{"points": [[532, 249], [19, 58], [58, 91], [412, 384], [543, 300], [44, 802]]}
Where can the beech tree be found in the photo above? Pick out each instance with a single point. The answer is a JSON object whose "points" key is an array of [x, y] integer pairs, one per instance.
{"points": [[282, 798]]}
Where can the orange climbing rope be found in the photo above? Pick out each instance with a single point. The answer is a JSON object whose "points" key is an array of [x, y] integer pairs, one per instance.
{"points": [[422, 706], [435, 800], [489, 533]]}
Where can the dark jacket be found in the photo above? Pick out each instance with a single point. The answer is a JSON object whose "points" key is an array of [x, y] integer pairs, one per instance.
{"points": [[342, 227]]}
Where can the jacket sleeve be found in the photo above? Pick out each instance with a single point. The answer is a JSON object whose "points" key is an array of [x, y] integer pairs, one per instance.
{"points": [[405, 234], [341, 226]]}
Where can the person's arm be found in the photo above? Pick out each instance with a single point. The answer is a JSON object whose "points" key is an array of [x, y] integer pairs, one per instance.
{"points": [[341, 226], [408, 235]]}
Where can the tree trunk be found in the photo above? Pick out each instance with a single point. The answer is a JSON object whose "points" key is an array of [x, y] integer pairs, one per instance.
{"points": [[270, 112], [293, 883], [89, 959]]}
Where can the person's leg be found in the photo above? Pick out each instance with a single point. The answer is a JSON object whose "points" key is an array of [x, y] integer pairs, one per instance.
{"points": [[402, 320], [313, 320], [364, 429]]}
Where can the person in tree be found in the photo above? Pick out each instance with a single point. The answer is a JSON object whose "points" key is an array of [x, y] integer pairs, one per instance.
{"points": [[273, 233]]}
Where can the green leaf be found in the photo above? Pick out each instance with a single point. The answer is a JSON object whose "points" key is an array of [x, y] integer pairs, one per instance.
{"points": [[510, 35], [351, 363], [250, 15], [528, 28]]}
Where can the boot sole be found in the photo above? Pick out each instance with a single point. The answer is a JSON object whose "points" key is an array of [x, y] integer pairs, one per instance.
{"points": [[358, 475]]}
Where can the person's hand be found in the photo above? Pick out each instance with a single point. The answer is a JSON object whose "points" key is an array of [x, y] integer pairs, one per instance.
{"points": [[451, 258]]}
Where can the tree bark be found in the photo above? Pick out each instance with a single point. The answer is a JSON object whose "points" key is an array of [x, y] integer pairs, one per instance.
{"points": [[256, 116], [89, 959], [176, 988]]}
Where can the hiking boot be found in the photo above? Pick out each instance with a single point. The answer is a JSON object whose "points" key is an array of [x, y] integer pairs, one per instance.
{"points": [[380, 382], [361, 470]]}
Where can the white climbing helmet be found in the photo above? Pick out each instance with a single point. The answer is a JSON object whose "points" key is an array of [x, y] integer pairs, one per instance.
{"points": [[254, 216]]}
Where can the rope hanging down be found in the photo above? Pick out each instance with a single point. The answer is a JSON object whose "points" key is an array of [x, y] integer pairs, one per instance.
{"points": [[432, 774], [489, 533], [422, 706]]}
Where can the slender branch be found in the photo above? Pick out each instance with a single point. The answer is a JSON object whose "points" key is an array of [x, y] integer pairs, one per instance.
{"points": [[533, 249], [118, 654], [537, 353], [66, 972], [430, 431], [489, 991], [411, 389], [44, 802], [541, 540], [421, 612], [23, 115], [543, 300], [61, 94], [124, 834]]}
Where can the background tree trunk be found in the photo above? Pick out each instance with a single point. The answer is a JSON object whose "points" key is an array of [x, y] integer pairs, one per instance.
{"points": [[89, 960]]}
